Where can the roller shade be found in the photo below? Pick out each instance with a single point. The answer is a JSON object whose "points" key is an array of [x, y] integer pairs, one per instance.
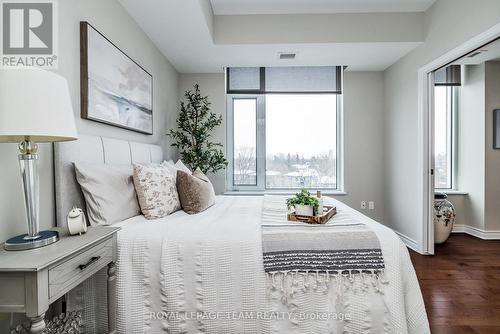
{"points": [[299, 79], [448, 76], [244, 78]]}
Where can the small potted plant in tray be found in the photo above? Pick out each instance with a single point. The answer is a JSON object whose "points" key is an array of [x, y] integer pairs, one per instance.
{"points": [[303, 202]]}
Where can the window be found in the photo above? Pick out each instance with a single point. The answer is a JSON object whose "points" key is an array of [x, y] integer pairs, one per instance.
{"points": [[301, 141], [445, 115], [447, 82], [245, 141], [285, 137]]}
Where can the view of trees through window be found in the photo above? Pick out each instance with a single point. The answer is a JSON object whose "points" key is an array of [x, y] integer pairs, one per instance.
{"points": [[245, 141], [300, 141]]}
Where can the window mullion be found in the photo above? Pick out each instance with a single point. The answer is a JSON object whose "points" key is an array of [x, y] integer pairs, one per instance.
{"points": [[261, 142], [454, 137]]}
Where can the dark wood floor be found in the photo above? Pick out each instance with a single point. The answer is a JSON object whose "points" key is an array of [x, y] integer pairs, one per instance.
{"points": [[461, 285]]}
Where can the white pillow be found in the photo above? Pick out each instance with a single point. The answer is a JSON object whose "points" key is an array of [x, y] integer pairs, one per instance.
{"points": [[174, 167], [180, 166], [156, 189], [108, 191]]}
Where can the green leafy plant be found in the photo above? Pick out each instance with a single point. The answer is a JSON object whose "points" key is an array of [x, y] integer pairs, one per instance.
{"points": [[194, 126], [304, 197]]}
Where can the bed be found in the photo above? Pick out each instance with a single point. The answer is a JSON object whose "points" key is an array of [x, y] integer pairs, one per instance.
{"points": [[204, 273]]}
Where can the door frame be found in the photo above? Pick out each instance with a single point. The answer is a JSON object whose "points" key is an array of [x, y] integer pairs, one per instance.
{"points": [[425, 125]]}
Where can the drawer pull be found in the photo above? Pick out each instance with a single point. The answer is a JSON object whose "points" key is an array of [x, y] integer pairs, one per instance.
{"points": [[92, 260]]}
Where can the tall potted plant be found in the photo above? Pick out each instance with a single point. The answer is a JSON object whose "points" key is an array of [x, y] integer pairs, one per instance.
{"points": [[194, 129]]}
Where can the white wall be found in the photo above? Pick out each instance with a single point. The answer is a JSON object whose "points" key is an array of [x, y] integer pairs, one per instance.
{"points": [[112, 20], [448, 24], [363, 114], [213, 86], [471, 146], [492, 156], [478, 161], [363, 141]]}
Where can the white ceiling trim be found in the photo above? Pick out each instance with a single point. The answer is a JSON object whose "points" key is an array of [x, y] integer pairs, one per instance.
{"points": [[252, 7]]}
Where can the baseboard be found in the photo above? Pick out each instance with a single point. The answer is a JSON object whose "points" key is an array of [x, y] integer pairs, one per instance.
{"points": [[476, 232], [409, 242]]}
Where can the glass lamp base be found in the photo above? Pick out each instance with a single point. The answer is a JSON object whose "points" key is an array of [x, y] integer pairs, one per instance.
{"points": [[21, 243]]}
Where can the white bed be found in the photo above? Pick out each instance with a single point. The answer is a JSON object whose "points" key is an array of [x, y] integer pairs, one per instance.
{"points": [[212, 262], [210, 266]]}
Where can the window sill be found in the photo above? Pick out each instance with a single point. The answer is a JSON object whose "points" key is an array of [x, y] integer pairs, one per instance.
{"points": [[452, 192], [280, 192]]}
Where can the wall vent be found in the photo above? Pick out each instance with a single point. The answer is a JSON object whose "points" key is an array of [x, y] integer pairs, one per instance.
{"points": [[473, 54], [287, 55]]}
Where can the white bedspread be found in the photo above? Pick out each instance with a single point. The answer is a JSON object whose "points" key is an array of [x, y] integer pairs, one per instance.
{"points": [[211, 264]]}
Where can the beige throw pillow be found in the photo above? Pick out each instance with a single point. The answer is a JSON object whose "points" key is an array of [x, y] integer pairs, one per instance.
{"points": [[196, 192], [109, 192], [156, 190]]}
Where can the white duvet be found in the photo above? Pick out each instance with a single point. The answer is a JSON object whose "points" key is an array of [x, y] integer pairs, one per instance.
{"points": [[203, 274]]}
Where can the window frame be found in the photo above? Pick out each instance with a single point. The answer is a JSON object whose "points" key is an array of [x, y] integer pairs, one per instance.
{"points": [[259, 145], [261, 187], [455, 105], [452, 105]]}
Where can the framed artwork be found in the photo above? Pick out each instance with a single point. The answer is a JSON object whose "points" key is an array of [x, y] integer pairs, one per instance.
{"points": [[496, 129], [114, 89]]}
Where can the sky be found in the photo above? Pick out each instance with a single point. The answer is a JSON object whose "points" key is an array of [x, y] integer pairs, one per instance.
{"points": [[440, 120], [303, 124]]}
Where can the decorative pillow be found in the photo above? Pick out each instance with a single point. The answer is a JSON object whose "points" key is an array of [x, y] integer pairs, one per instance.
{"points": [[170, 165], [108, 191], [196, 192], [156, 190], [180, 166], [174, 167]]}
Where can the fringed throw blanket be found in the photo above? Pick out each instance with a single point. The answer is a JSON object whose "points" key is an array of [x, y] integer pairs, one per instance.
{"points": [[339, 251]]}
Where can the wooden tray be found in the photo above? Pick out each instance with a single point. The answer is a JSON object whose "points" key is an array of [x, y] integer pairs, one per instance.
{"points": [[328, 212]]}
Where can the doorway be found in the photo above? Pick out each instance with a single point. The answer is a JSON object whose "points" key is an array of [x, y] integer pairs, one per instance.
{"points": [[456, 113]]}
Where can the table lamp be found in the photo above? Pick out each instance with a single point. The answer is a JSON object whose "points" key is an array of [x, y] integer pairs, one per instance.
{"points": [[35, 107]]}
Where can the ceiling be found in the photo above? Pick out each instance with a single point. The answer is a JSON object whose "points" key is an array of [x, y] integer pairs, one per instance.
{"points": [[248, 7], [191, 36]]}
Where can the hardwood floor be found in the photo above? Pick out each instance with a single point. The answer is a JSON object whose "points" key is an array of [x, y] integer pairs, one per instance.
{"points": [[461, 285]]}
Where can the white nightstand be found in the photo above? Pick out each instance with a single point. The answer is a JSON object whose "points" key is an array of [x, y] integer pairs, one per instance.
{"points": [[31, 280]]}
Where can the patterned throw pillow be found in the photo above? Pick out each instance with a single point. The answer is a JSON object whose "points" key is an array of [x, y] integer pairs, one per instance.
{"points": [[156, 190]]}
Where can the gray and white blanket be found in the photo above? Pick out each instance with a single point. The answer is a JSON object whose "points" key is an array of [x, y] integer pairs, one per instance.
{"points": [[334, 252], [333, 248]]}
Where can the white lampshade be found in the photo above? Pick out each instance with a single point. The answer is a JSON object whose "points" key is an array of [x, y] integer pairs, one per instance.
{"points": [[35, 103]]}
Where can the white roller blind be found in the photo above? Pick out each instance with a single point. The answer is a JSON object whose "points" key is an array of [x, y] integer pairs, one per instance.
{"points": [[302, 79], [448, 76], [299, 79], [244, 78]]}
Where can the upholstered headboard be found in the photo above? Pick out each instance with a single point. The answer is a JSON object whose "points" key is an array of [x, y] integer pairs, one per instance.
{"points": [[95, 150]]}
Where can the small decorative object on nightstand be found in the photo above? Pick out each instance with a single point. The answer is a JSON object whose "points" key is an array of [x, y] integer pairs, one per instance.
{"points": [[31, 280], [444, 217], [35, 107], [77, 224]]}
